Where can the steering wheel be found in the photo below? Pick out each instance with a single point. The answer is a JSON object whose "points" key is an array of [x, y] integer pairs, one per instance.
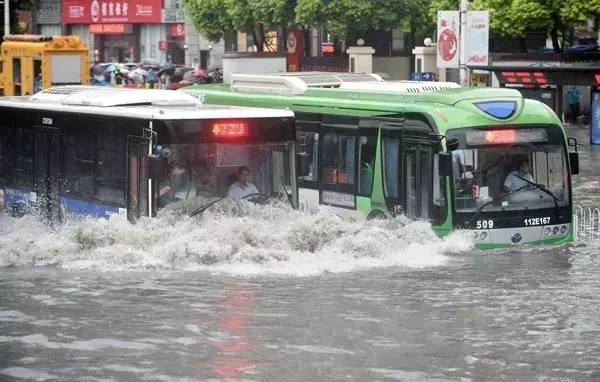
{"points": [[257, 197]]}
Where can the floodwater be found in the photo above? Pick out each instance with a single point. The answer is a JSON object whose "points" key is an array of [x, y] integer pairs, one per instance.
{"points": [[268, 294]]}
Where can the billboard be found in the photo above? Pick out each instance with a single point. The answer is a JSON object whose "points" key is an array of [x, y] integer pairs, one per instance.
{"points": [[448, 24], [477, 40], [111, 11]]}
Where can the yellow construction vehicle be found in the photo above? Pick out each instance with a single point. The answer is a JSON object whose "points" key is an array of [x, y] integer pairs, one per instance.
{"points": [[30, 63]]}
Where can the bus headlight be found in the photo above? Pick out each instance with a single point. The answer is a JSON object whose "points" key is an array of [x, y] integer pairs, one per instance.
{"points": [[555, 230], [563, 229], [547, 231], [483, 236]]}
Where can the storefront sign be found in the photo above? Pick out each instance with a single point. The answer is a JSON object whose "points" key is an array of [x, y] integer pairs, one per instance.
{"points": [[111, 12], [448, 23], [173, 15], [327, 47], [478, 31], [177, 30], [48, 12], [295, 50], [111, 28], [163, 45]]}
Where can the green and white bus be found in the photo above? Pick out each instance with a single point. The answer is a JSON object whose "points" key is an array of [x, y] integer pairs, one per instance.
{"points": [[479, 159]]}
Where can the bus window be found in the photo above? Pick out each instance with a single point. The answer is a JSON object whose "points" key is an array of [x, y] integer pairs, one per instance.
{"points": [[391, 150], [7, 156], [338, 158], [94, 164], [193, 174], [439, 184], [16, 72], [307, 143], [24, 166], [424, 182], [411, 184], [366, 154]]}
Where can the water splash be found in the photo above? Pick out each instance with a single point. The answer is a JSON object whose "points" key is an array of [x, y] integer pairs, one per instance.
{"points": [[230, 237]]}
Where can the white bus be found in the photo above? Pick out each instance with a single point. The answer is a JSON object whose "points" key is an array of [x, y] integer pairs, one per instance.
{"points": [[105, 151]]}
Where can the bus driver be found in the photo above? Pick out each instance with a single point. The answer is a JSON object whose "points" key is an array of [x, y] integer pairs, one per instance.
{"points": [[242, 186], [517, 179]]}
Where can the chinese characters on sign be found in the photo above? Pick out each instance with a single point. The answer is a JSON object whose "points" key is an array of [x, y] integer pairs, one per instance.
{"points": [[110, 28], [478, 27], [448, 24], [111, 11]]}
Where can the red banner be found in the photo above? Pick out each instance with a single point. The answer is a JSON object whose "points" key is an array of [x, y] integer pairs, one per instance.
{"points": [[110, 28], [177, 30], [295, 50], [111, 11]]}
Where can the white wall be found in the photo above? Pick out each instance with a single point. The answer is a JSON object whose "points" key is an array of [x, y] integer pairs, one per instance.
{"points": [[398, 67], [241, 64]]}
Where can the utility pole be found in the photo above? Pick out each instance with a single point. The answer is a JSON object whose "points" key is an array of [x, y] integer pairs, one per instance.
{"points": [[6, 17], [464, 6]]}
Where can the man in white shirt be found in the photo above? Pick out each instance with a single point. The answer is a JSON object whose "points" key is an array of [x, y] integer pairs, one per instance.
{"points": [[513, 181], [242, 187]]}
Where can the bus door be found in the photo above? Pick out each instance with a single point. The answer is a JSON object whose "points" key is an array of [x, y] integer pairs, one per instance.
{"points": [[138, 202], [47, 168], [408, 165]]}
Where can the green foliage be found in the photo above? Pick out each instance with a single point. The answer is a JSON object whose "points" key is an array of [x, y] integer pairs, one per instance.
{"points": [[340, 17], [214, 18]]}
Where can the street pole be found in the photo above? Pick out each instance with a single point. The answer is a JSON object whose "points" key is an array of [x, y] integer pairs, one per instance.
{"points": [[6, 17], [464, 6]]}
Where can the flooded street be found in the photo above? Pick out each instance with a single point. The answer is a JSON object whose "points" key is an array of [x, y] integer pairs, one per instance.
{"points": [[270, 294]]}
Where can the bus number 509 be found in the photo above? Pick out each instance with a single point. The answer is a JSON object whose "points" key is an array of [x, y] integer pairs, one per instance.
{"points": [[485, 224]]}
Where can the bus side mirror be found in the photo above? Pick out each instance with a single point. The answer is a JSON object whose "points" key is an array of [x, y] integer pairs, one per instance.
{"points": [[303, 164], [451, 144], [574, 161], [445, 164]]}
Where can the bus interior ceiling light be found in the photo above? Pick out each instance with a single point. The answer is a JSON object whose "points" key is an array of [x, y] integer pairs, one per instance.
{"points": [[230, 129], [498, 109]]}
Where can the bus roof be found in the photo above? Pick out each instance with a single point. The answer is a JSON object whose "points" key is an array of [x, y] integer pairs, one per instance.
{"points": [[448, 105], [133, 103]]}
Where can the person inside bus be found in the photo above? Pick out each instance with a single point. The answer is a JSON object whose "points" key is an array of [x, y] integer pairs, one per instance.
{"points": [[517, 179], [179, 185], [242, 187], [204, 182]]}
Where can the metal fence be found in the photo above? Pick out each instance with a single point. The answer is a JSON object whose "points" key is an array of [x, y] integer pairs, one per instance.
{"points": [[586, 221]]}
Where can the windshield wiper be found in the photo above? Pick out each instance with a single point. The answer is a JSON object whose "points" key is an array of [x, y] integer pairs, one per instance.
{"points": [[480, 209], [204, 207], [545, 190]]}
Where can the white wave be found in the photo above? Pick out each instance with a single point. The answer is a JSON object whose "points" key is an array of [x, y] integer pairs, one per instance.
{"points": [[90, 345], [27, 374], [236, 238]]}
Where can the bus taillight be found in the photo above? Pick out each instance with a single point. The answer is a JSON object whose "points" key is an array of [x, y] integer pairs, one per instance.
{"points": [[230, 129]]}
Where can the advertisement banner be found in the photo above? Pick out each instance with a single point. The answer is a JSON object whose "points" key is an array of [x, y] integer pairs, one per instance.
{"points": [[177, 30], [111, 11], [295, 50], [448, 24], [477, 40]]}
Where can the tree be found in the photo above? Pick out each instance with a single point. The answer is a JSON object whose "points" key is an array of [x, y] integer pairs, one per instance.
{"points": [[15, 6], [214, 18], [344, 17]]}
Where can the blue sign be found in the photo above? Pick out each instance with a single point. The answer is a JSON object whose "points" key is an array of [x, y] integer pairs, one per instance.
{"points": [[423, 76], [595, 123]]}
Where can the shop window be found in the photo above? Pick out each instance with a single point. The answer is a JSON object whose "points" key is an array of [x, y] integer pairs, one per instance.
{"points": [[338, 158]]}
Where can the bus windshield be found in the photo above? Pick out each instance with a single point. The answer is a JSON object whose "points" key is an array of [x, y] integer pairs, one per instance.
{"points": [[507, 170], [194, 174]]}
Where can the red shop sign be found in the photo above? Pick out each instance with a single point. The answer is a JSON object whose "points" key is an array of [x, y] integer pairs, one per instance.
{"points": [[110, 28], [177, 30], [163, 45], [111, 11]]}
